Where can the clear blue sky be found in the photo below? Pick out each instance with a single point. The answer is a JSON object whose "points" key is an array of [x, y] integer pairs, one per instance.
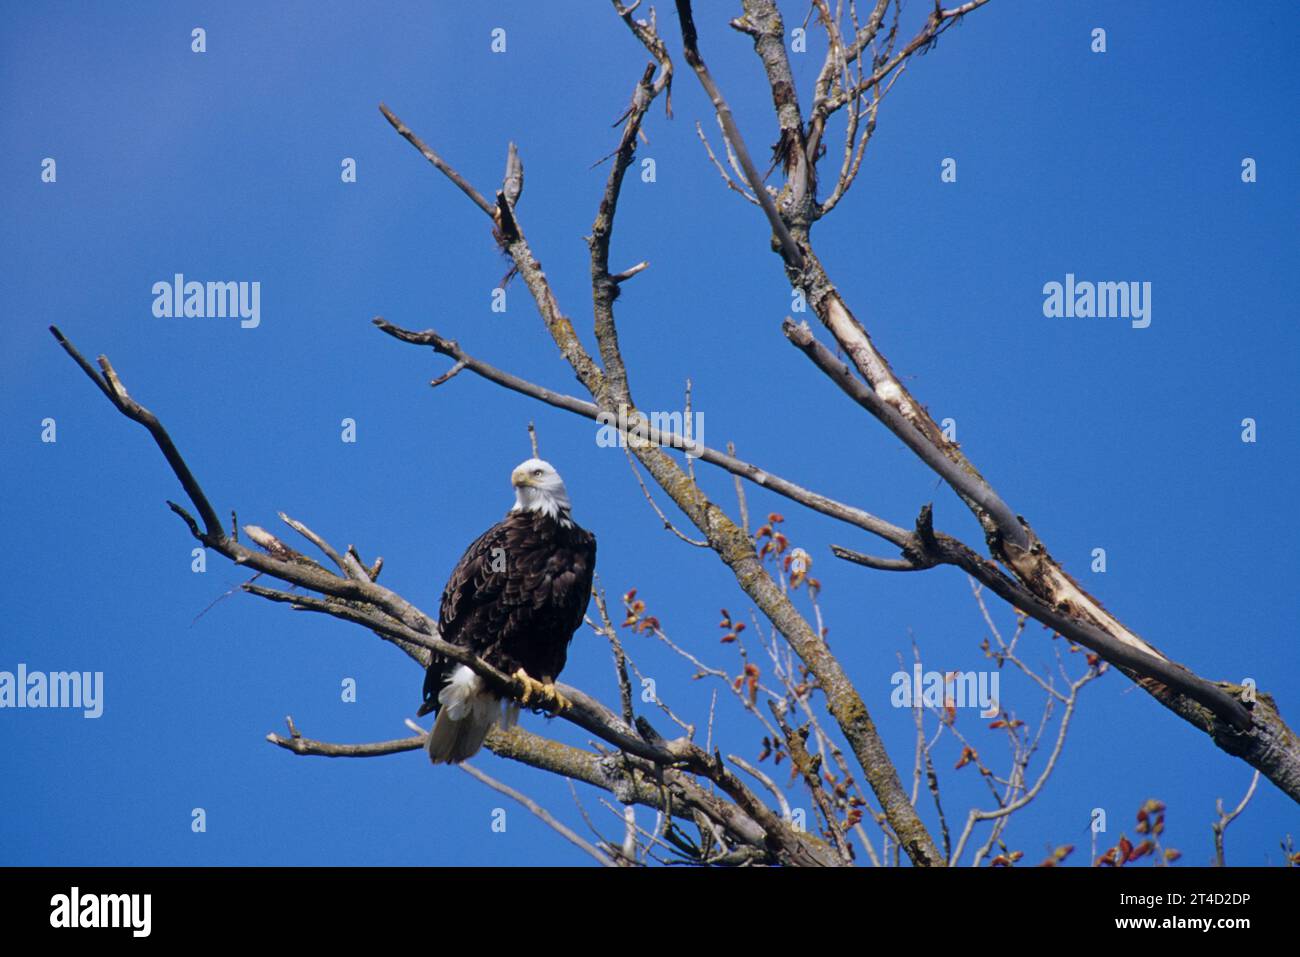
{"points": [[225, 166]]}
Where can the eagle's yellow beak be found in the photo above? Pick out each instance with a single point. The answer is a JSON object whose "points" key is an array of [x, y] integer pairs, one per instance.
{"points": [[519, 478]]}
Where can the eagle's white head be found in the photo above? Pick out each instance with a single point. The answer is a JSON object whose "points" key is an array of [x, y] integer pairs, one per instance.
{"points": [[539, 488]]}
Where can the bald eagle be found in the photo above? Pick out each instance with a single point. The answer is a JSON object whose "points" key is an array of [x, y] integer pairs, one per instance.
{"points": [[515, 599]]}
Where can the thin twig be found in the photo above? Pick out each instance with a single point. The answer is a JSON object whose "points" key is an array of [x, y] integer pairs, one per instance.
{"points": [[537, 811]]}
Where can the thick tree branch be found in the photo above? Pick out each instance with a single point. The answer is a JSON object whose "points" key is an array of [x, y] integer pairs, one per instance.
{"points": [[798, 200]]}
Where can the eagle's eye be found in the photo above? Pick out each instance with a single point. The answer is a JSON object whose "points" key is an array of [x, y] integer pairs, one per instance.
{"points": [[537, 473]]}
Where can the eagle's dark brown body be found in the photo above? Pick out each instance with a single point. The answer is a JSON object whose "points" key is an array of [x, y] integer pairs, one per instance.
{"points": [[516, 597]]}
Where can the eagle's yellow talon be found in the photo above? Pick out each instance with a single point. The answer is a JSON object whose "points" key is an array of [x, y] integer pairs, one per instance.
{"points": [[531, 685], [539, 694], [559, 701]]}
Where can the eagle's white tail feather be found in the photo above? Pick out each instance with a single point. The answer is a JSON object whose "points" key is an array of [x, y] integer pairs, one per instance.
{"points": [[466, 714]]}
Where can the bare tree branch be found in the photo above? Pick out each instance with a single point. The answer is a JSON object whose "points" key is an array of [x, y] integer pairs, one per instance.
{"points": [[1226, 818], [539, 812], [437, 161]]}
